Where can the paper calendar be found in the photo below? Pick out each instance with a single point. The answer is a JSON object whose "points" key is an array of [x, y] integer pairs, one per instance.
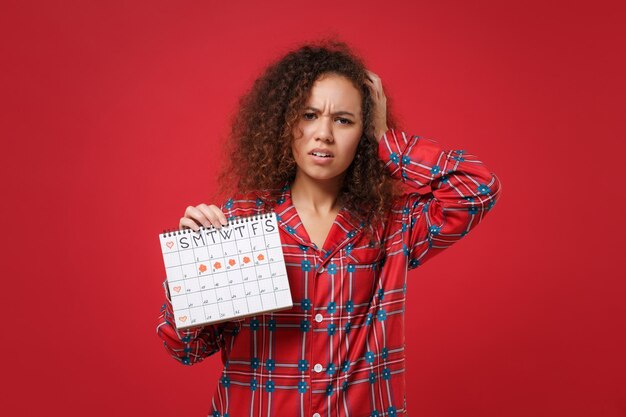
{"points": [[216, 275]]}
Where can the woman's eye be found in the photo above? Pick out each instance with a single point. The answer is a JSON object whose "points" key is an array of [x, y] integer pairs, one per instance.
{"points": [[342, 120]]}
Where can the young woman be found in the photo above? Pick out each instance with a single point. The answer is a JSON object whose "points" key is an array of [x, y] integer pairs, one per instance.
{"points": [[359, 202]]}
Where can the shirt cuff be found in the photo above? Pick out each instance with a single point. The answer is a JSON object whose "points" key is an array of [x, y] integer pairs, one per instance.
{"points": [[166, 289]]}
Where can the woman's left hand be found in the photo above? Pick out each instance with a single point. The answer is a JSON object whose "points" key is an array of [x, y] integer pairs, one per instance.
{"points": [[380, 104]]}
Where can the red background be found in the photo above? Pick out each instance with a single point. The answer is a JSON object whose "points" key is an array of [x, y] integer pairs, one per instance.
{"points": [[113, 113]]}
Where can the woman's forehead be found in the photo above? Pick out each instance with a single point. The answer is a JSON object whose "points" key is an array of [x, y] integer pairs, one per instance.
{"points": [[336, 92]]}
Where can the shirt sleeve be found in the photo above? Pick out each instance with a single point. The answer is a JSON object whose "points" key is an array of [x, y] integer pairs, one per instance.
{"points": [[451, 191], [187, 346]]}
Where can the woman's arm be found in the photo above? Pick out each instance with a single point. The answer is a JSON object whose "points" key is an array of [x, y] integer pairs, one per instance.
{"points": [[462, 191], [192, 346], [453, 190]]}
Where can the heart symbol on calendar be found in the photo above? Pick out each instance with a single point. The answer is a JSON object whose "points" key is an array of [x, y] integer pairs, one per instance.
{"points": [[202, 268], [260, 257], [246, 259], [177, 288], [169, 244], [183, 318], [231, 262]]}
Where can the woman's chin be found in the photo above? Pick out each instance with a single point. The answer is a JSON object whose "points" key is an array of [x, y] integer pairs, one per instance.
{"points": [[322, 175]]}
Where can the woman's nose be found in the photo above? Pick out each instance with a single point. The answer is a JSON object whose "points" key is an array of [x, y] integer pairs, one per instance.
{"points": [[324, 130]]}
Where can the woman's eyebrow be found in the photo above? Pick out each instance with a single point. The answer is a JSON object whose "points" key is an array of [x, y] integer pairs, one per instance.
{"points": [[342, 112]]}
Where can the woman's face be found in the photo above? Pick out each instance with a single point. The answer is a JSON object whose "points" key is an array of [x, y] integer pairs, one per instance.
{"points": [[331, 123]]}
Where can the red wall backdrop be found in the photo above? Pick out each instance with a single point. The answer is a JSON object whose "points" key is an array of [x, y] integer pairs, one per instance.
{"points": [[113, 113]]}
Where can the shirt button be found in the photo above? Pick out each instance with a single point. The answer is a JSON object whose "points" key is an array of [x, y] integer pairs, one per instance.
{"points": [[316, 415], [318, 367], [319, 318]]}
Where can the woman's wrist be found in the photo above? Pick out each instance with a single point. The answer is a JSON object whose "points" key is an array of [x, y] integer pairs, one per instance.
{"points": [[380, 132]]}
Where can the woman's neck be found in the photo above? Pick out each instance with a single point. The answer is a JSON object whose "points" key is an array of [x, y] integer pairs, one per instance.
{"points": [[318, 196]]}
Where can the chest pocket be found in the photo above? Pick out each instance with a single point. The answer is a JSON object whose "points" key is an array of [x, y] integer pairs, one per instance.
{"points": [[367, 255], [365, 263]]}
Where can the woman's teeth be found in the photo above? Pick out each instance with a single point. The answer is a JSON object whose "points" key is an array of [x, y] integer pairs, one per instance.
{"points": [[321, 155]]}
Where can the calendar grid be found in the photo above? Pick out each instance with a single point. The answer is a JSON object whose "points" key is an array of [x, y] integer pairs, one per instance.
{"points": [[210, 280], [255, 273]]}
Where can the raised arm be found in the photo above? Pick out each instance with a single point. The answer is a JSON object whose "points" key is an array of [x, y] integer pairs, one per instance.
{"points": [[462, 191]]}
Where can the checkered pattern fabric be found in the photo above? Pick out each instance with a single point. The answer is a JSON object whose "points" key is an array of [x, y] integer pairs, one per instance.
{"points": [[340, 351]]}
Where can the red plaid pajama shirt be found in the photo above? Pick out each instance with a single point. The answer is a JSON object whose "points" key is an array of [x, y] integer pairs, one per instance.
{"points": [[340, 351]]}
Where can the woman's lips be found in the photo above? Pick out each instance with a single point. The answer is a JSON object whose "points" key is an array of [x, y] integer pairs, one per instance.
{"points": [[319, 160], [322, 151]]}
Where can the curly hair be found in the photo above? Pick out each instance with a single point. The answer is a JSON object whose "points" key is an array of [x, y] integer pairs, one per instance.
{"points": [[259, 144]]}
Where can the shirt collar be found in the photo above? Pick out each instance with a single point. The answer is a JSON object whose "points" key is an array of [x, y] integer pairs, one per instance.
{"points": [[345, 227]]}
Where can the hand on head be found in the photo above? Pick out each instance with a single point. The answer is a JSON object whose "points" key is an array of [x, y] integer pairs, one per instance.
{"points": [[380, 104]]}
